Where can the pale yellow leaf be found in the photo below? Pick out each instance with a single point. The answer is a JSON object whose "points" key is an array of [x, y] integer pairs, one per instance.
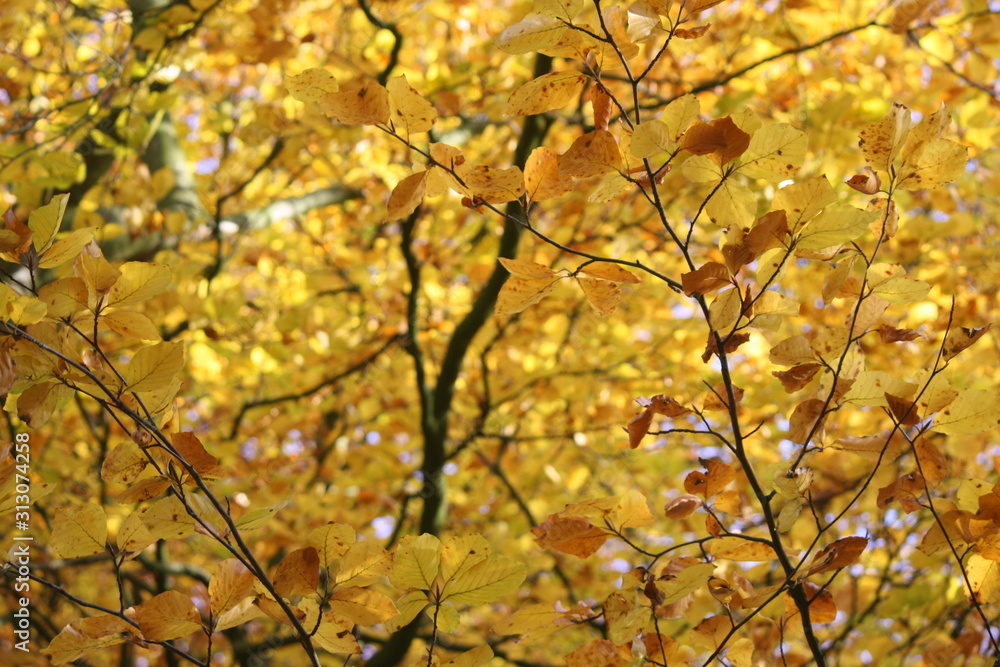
{"points": [[66, 249], [131, 325], [44, 222], [532, 33], [416, 562], [138, 282], [154, 366]]}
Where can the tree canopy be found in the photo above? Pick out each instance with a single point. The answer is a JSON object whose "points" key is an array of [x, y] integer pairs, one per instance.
{"points": [[564, 332]]}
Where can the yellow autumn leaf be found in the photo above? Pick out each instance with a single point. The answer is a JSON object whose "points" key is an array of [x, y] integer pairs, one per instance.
{"points": [[485, 581], [334, 637], [144, 489], [476, 657], [733, 204], [594, 154], [632, 511], [154, 366], [528, 619], [64, 297], [168, 519], [870, 387], [169, 615], [610, 271], [25, 310], [79, 531], [65, 249], [44, 222], [702, 169], [603, 295], [541, 176], [359, 102], [610, 186], [460, 553], [984, 579], [802, 201], [409, 606], [364, 563], [520, 293], [230, 585], [495, 186], [255, 519], [775, 152], [416, 562], [297, 573], [725, 310], [685, 582], [331, 541], [532, 33], [408, 108], [933, 164], [888, 282], [651, 138], [362, 606], [407, 196], [133, 536], [881, 142], [138, 281], [311, 84], [739, 549], [85, 635], [131, 324], [546, 93], [124, 463], [834, 226], [97, 272], [972, 411]]}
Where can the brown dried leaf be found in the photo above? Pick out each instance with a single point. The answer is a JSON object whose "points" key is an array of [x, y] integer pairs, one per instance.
{"points": [[890, 334], [796, 377], [868, 184], [572, 535], [903, 409], [769, 232], [682, 507], [803, 421], [842, 553], [639, 427], [692, 33], [720, 138], [602, 106], [709, 277], [933, 464]]}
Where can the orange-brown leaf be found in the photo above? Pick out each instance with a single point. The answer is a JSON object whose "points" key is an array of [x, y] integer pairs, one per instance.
{"points": [[796, 377], [707, 278], [572, 535], [720, 138]]}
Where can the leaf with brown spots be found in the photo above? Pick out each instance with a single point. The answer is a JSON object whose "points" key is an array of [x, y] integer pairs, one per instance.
{"points": [[960, 339], [358, 102]]}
